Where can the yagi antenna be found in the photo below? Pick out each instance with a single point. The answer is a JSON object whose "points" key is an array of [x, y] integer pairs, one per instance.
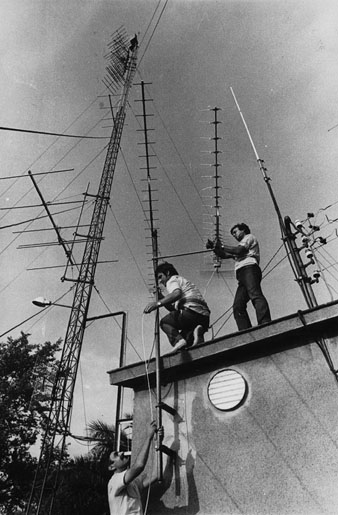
{"points": [[217, 187], [59, 237]]}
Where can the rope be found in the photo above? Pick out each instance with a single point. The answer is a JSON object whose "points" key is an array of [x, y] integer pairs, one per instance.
{"points": [[205, 290], [146, 368], [151, 408]]}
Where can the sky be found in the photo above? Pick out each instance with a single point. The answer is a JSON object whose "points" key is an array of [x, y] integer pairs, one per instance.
{"points": [[278, 56]]}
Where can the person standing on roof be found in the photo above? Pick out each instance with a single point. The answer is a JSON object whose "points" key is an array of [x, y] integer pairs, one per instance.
{"points": [[248, 274], [189, 315]]}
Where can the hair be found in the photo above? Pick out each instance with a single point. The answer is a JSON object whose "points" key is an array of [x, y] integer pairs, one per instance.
{"points": [[166, 268], [242, 227]]}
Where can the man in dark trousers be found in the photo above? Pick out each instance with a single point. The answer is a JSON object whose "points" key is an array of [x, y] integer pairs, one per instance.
{"points": [[248, 275], [189, 315]]}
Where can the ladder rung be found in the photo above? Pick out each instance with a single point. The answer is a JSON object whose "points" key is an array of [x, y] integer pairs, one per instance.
{"points": [[166, 450], [167, 408]]}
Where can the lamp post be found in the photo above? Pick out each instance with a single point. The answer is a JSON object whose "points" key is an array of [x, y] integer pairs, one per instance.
{"points": [[119, 398], [41, 302]]}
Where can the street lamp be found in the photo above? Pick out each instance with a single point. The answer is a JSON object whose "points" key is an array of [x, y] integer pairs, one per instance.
{"points": [[41, 302]]}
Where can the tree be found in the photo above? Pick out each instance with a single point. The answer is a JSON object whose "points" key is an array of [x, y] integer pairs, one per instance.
{"points": [[104, 436], [83, 481], [24, 395], [82, 487]]}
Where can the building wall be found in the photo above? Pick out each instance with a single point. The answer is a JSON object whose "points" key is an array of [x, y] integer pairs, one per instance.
{"points": [[276, 454]]}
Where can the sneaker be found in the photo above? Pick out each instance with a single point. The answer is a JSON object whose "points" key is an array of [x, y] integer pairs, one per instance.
{"points": [[179, 345], [198, 335]]}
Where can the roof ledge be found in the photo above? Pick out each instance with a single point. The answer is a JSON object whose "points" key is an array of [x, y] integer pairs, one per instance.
{"points": [[288, 332]]}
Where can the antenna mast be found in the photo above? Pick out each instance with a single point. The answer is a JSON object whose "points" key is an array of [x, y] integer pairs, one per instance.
{"points": [[217, 187], [121, 70], [154, 246], [160, 405], [299, 269]]}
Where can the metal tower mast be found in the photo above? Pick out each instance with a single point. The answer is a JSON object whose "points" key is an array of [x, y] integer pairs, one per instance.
{"points": [[121, 70]]}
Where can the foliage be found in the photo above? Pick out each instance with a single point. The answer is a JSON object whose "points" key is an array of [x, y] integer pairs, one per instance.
{"points": [[104, 436], [22, 413], [83, 481], [27, 373], [82, 488]]}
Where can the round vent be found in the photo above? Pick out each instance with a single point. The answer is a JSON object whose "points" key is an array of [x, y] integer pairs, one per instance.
{"points": [[227, 390]]}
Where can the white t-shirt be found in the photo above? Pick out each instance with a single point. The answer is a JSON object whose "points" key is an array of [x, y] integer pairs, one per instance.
{"points": [[251, 257], [191, 296], [124, 499]]}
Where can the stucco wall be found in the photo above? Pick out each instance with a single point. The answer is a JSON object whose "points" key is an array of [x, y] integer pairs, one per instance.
{"points": [[276, 454]]}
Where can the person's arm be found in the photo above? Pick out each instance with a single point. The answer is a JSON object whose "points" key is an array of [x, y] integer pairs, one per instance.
{"points": [[167, 472], [142, 457], [231, 251], [166, 301], [226, 251]]}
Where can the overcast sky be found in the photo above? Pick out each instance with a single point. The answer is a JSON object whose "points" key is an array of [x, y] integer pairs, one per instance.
{"points": [[280, 58]]}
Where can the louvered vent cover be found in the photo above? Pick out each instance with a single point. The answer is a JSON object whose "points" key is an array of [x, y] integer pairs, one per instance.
{"points": [[227, 390]]}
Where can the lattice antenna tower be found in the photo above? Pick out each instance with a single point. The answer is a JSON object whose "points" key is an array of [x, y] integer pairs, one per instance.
{"points": [[120, 72]]}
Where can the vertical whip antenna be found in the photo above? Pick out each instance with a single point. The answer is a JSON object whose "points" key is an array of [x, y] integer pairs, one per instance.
{"points": [[285, 224]]}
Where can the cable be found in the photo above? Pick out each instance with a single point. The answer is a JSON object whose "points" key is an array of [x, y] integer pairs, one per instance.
{"points": [[177, 152], [152, 34], [225, 321], [116, 321], [83, 401], [81, 171], [208, 283], [60, 135], [133, 183], [22, 271], [174, 188], [59, 161], [53, 199], [126, 242], [151, 19], [54, 142], [273, 257], [33, 316], [36, 218]]}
